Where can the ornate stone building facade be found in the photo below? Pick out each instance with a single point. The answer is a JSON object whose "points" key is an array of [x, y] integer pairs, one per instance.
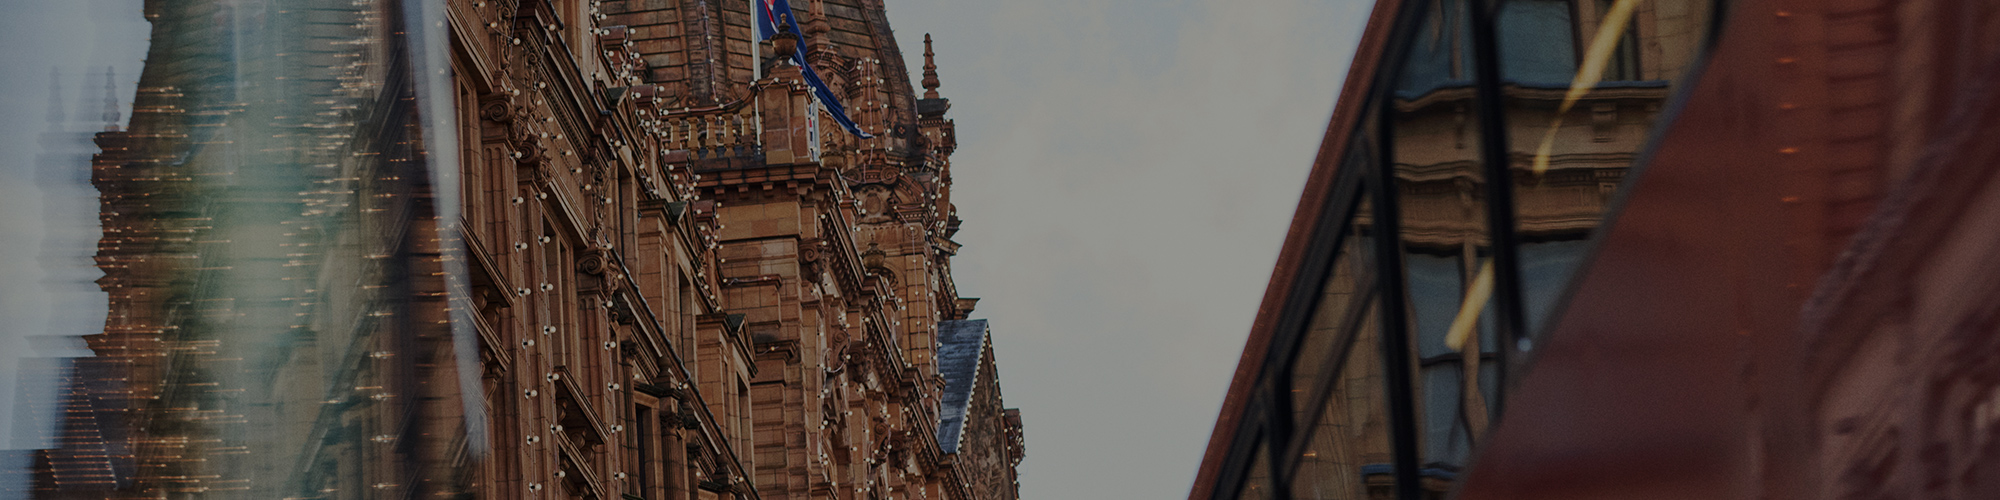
{"points": [[798, 274], [637, 261]]}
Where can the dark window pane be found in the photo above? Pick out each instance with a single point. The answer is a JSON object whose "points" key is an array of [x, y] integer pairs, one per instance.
{"points": [[1537, 44], [1624, 62], [1446, 439], [1573, 154], [1436, 285], [1439, 179], [1439, 56], [1545, 272]]}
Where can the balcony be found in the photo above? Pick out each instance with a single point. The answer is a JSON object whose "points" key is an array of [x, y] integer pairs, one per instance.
{"points": [[575, 470], [579, 423], [723, 132]]}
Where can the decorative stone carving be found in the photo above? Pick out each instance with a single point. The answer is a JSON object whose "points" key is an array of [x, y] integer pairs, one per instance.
{"points": [[597, 262], [810, 250], [499, 108]]}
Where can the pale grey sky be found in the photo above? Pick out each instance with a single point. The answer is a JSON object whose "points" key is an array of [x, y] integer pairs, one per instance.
{"points": [[50, 216], [1126, 170]]}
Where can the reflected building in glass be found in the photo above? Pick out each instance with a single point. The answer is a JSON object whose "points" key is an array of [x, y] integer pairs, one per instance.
{"points": [[1378, 365], [277, 325], [537, 249], [1638, 249]]}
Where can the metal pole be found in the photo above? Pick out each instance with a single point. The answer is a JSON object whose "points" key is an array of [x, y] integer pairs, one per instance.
{"points": [[1499, 197], [1395, 329]]}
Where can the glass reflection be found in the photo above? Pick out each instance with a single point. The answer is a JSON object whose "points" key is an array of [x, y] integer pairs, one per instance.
{"points": [[1439, 180], [267, 256], [1538, 41], [1346, 452], [1584, 81], [1342, 419], [1326, 339], [1257, 482], [1350, 279]]}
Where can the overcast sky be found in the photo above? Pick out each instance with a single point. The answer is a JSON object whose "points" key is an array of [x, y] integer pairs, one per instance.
{"points": [[1126, 170], [50, 217]]}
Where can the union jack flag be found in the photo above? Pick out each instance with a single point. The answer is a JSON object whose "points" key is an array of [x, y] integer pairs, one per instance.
{"points": [[775, 17]]}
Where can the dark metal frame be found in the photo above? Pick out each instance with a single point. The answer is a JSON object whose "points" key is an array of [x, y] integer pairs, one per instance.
{"points": [[1366, 171], [1395, 340], [1500, 220], [1268, 420]]}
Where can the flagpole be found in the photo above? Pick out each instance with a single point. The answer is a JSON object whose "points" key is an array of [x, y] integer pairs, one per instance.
{"points": [[756, 71]]}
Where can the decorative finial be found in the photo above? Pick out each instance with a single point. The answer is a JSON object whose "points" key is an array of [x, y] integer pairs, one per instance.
{"points": [[930, 70]]}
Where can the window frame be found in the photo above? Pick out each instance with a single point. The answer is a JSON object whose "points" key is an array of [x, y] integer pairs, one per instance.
{"points": [[1270, 426]]}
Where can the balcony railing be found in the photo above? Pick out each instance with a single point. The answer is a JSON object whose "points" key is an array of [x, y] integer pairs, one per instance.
{"points": [[726, 131]]}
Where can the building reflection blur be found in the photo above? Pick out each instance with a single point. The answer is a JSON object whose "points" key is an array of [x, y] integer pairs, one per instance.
{"points": [[613, 251], [271, 259], [1365, 404]]}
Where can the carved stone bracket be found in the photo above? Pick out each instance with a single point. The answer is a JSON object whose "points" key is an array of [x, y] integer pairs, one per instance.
{"points": [[811, 251]]}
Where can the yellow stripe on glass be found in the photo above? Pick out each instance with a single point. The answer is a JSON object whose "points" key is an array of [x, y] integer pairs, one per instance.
{"points": [[1602, 46], [1467, 322]]}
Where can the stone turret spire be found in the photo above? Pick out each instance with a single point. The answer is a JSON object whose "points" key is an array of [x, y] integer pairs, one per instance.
{"points": [[930, 70], [111, 116], [817, 26]]}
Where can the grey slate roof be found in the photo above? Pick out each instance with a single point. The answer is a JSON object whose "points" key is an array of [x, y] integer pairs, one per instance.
{"points": [[963, 342]]}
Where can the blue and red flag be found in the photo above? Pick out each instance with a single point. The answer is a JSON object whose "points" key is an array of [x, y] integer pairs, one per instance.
{"points": [[775, 17]]}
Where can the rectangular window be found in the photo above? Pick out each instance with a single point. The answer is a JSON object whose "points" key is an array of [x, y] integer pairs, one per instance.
{"points": [[743, 426], [1440, 56], [1538, 45], [1438, 176], [1624, 63], [1436, 286], [643, 425], [472, 178]]}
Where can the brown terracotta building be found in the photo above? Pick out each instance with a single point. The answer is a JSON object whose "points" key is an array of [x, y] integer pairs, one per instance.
{"points": [[660, 271]]}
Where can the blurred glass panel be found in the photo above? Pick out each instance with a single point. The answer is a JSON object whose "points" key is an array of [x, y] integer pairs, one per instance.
{"points": [[1350, 277], [72, 70], [266, 316], [1623, 61], [1575, 133], [1330, 329], [1439, 181], [1441, 54], [1545, 270], [1436, 287], [1347, 454], [1539, 42]]}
